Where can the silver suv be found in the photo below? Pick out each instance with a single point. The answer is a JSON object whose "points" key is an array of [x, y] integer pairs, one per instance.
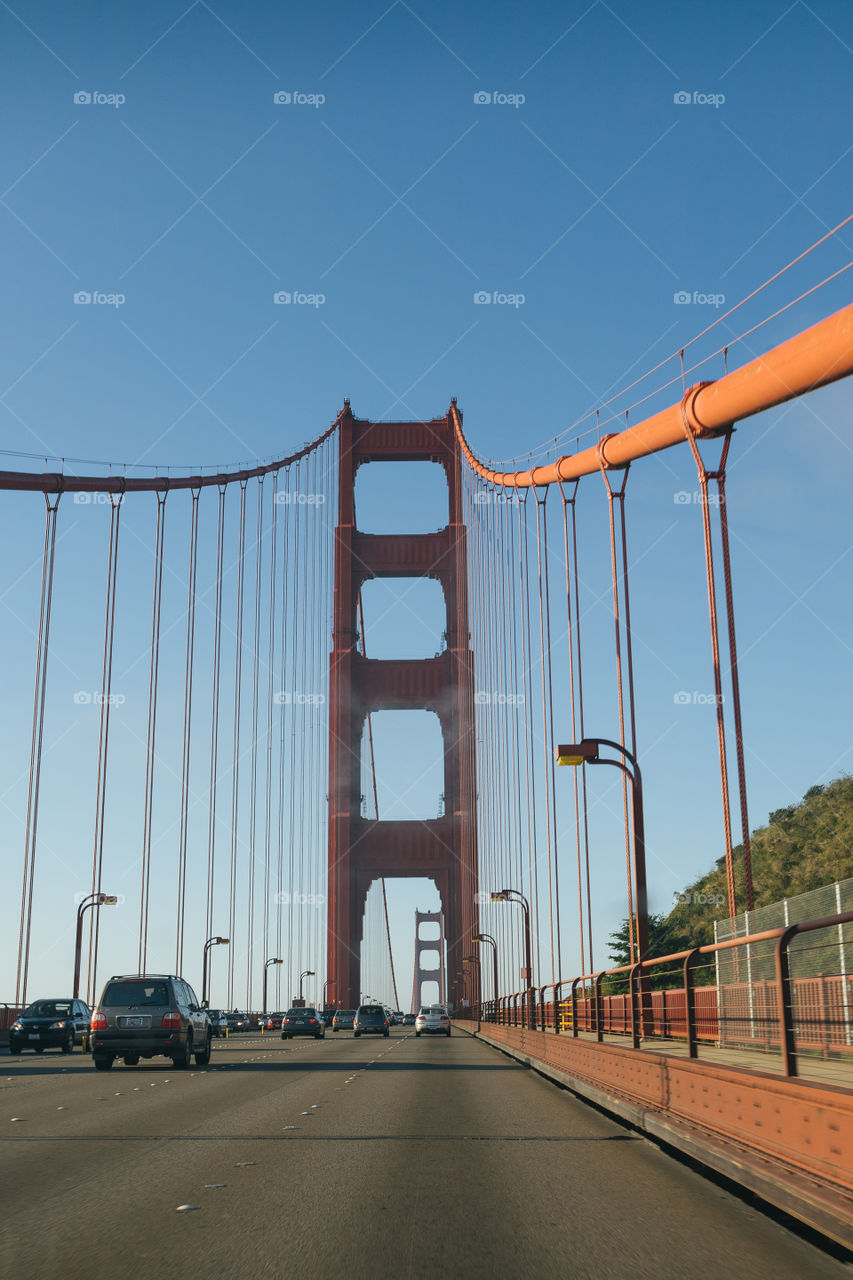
{"points": [[146, 1015]]}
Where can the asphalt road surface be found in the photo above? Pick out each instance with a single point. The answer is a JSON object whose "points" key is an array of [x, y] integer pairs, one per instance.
{"points": [[371, 1157]]}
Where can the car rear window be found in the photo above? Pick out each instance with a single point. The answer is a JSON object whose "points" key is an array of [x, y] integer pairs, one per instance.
{"points": [[135, 993], [371, 1008]]}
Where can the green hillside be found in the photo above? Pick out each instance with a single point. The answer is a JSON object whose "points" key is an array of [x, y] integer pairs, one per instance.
{"points": [[802, 847]]}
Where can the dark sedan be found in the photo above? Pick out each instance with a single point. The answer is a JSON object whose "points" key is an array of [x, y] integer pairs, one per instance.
{"points": [[50, 1024], [303, 1022]]}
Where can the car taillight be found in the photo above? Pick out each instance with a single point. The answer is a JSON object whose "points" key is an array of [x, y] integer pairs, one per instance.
{"points": [[99, 1022], [171, 1020], [312, 1020]]}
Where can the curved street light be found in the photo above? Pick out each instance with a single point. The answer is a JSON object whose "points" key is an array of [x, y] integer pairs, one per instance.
{"points": [[211, 942], [272, 960], [487, 938], [513, 895], [91, 900], [587, 751], [307, 973]]}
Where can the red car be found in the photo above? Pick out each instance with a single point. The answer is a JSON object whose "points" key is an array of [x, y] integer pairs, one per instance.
{"points": [[273, 1021]]}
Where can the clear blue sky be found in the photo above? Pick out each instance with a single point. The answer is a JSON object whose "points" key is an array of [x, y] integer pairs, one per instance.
{"points": [[186, 193]]}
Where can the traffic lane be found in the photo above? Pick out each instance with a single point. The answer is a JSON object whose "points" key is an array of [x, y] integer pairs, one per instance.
{"points": [[481, 1166], [421, 1156], [66, 1157]]}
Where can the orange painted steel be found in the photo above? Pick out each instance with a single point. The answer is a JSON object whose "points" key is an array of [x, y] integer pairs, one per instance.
{"points": [[811, 359]]}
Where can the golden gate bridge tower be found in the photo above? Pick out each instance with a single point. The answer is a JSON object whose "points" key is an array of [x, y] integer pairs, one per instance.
{"points": [[362, 850]]}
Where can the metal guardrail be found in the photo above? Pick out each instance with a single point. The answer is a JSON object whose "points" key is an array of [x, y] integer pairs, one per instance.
{"points": [[787, 1014]]}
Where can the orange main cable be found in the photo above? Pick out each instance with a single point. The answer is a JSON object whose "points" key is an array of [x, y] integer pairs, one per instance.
{"points": [[814, 358]]}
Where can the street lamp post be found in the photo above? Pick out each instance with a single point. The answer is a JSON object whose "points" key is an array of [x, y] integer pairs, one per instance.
{"points": [[475, 959], [211, 942], [91, 900], [307, 973], [487, 937], [513, 895], [330, 982], [587, 752], [272, 960]]}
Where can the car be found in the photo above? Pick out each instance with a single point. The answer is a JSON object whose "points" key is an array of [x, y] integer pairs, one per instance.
{"points": [[232, 1021], [433, 1019], [245, 1022], [398, 1017], [409, 1020], [305, 1021], [328, 1016], [343, 1020], [218, 1023], [273, 1021], [50, 1024], [148, 1016], [370, 1018]]}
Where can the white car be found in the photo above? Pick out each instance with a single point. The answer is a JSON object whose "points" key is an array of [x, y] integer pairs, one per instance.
{"points": [[432, 1019]]}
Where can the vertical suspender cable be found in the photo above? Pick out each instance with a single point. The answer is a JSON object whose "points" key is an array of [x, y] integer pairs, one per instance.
{"points": [[273, 616], [253, 776], [573, 627], [614, 495], [214, 713], [235, 767], [104, 738], [530, 770], [282, 727], [189, 668], [34, 783], [153, 684]]}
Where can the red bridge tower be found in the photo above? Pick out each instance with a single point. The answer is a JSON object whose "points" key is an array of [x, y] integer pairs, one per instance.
{"points": [[362, 850]]}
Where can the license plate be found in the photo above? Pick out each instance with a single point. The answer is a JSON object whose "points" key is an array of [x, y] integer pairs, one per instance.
{"points": [[138, 1020], [33, 1037]]}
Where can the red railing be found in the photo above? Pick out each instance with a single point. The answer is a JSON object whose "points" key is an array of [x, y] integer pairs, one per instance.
{"points": [[782, 1015]]}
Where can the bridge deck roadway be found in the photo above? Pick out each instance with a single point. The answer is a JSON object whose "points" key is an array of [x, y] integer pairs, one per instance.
{"points": [[372, 1157]]}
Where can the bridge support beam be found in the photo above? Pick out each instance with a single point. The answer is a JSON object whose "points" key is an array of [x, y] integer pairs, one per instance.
{"points": [[363, 850]]}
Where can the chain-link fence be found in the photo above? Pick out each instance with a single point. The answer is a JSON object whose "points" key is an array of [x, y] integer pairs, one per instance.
{"points": [[821, 966]]}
